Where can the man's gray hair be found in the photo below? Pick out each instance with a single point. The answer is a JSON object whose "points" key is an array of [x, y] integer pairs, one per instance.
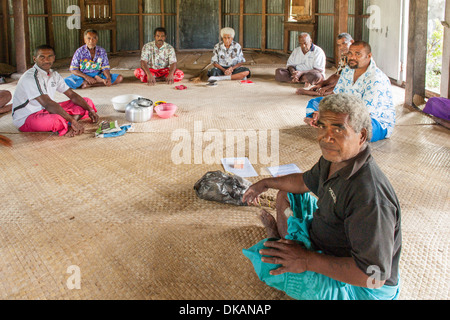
{"points": [[305, 34], [227, 30], [358, 113], [90, 31], [345, 36]]}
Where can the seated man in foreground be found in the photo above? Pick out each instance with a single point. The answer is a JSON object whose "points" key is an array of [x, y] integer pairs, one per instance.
{"points": [[364, 79], [306, 64], [34, 108], [158, 61], [346, 244], [326, 87], [5, 97], [90, 65]]}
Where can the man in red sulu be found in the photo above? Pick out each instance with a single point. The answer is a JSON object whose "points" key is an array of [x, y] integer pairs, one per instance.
{"points": [[158, 61]]}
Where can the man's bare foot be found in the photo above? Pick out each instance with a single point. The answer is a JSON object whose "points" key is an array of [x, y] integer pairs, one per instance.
{"points": [[7, 142], [270, 224], [70, 133], [300, 91], [6, 108], [85, 85], [307, 92]]}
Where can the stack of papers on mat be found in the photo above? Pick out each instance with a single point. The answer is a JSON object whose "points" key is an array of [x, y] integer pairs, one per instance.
{"points": [[239, 166]]}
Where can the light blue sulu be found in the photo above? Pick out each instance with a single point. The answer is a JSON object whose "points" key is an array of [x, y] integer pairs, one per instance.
{"points": [[310, 285]]}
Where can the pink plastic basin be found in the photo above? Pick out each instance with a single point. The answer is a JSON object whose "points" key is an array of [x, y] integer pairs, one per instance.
{"points": [[166, 110]]}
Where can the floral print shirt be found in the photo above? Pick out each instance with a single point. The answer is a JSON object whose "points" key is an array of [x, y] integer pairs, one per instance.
{"points": [[374, 89], [83, 61], [227, 57], [158, 58]]}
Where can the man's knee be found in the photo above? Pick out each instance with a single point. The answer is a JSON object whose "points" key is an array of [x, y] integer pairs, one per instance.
{"points": [[44, 123], [5, 97], [89, 101], [282, 75], [312, 77], [119, 79], [282, 199]]}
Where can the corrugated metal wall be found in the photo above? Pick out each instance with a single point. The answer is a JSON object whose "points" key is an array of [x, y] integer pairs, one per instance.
{"points": [[275, 27], [127, 25], [67, 40], [232, 21], [253, 16], [37, 25], [252, 24], [128, 22], [325, 28]]}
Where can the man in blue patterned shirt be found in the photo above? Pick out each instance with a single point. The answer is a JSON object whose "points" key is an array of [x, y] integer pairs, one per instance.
{"points": [[364, 79]]}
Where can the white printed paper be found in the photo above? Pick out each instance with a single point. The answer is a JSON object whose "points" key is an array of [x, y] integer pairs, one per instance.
{"points": [[239, 166], [284, 170]]}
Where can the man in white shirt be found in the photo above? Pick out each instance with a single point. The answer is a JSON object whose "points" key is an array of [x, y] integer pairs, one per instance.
{"points": [[34, 108], [306, 64]]}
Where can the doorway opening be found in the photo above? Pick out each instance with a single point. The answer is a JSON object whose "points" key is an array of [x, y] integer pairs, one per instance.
{"points": [[435, 45]]}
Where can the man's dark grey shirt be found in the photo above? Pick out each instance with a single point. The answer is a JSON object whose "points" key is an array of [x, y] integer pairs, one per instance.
{"points": [[358, 215]]}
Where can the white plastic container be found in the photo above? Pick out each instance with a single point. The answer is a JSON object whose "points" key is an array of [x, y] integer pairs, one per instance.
{"points": [[120, 102]]}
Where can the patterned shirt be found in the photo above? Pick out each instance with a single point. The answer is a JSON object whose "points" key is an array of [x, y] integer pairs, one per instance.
{"points": [[158, 58], [83, 61], [374, 88], [227, 57]]}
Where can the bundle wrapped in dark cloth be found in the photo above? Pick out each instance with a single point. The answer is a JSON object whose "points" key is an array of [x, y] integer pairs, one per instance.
{"points": [[222, 187]]}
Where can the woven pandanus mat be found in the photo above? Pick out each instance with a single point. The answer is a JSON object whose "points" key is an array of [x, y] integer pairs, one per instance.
{"points": [[230, 105], [124, 210], [127, 216], [416, 161], [130, 261]]}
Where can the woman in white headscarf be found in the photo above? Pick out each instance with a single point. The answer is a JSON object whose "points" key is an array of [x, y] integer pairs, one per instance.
{"points": [[228, 59]]}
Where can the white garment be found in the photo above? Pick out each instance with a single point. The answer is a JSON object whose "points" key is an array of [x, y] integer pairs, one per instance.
{"points": [[314, 59], [34, 82]]}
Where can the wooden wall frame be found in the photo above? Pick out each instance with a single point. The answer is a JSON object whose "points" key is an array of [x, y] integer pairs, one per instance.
{"points": [[417, 51], [445, 77], [21, 35], [309, 26], [5, 33], [264, 14]]}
